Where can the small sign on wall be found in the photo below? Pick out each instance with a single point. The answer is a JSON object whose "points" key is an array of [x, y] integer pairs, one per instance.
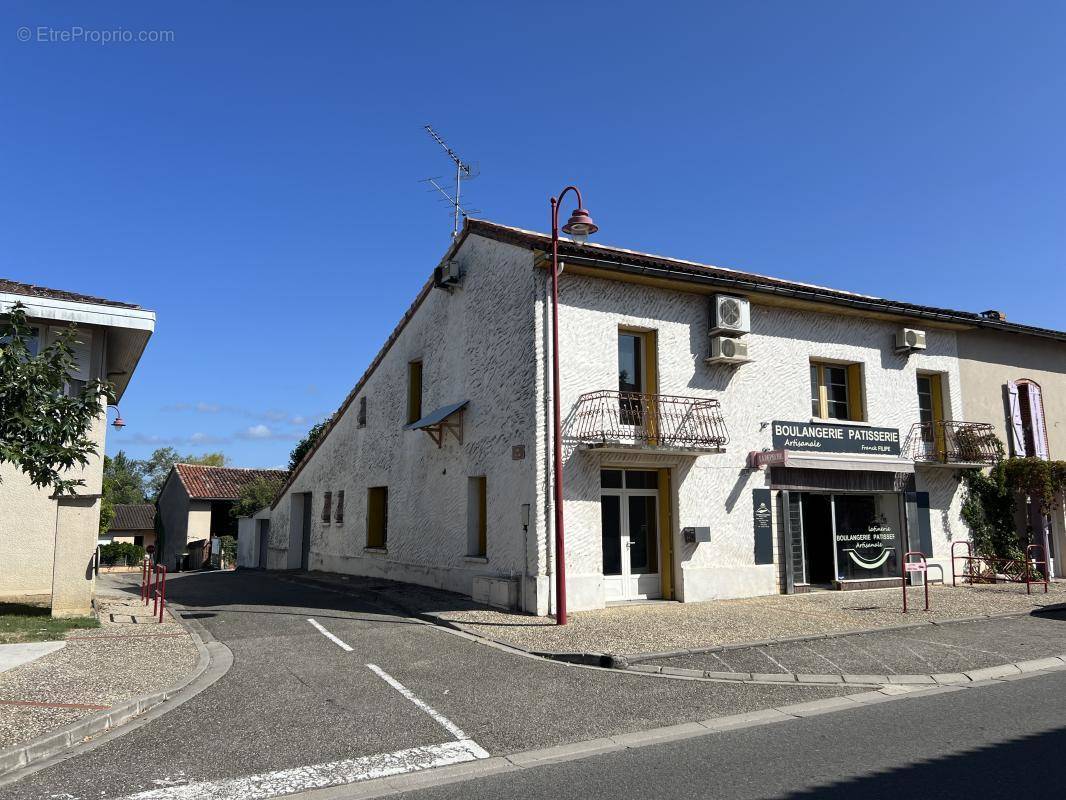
{"points": [[763, 524], [518, 452]]}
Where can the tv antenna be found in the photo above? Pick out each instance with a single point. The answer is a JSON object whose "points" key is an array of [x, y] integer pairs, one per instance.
{"points": [[463, 172]]}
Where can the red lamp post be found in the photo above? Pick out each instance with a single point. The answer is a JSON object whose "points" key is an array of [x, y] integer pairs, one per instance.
{"points": [[579, 226]]}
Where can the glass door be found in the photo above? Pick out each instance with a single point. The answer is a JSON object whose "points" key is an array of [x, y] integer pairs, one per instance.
{"points": [[629, 530]]}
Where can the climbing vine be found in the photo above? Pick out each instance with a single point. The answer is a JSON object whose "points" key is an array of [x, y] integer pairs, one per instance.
{"points": [[990, 504]]}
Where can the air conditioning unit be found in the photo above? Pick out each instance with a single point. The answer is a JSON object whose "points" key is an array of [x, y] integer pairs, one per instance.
{"points": [[730, 315], [727, 350], [908, 339], [448, 274]]}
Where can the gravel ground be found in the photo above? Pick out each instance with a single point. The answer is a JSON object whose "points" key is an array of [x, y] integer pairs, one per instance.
{"points": [[98, 667], [660, 627]]}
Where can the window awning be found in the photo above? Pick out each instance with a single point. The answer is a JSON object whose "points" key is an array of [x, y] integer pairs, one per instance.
{"points": [[444, 419]]}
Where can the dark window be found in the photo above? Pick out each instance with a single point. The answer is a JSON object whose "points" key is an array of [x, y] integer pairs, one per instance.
{"points": [[611, 478], [377, 517], [836, 384], [642, 479], [338, 513], [327, 506], [630, 363], [414, 391], [477, 516], [360, 419]]}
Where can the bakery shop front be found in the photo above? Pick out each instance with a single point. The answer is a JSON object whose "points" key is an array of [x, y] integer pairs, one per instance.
{"points": [[847, 505]]}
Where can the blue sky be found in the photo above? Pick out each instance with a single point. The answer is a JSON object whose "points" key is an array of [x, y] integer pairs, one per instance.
{"points": [[255, 180]]}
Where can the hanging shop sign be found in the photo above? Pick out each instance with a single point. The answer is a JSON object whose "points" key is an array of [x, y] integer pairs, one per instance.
{"points": [[828, 437]]}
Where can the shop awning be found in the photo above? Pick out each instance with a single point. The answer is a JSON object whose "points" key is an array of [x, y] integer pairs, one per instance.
{"points": [[807, 460]]}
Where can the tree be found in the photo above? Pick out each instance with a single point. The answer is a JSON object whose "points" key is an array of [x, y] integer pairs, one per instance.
{"points": [[255, 495], [45, 419], [157, 466], [303, 447], [123, 483]]}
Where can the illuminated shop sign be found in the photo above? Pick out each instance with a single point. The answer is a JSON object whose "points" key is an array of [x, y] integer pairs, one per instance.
{"points": [[827, 437]]}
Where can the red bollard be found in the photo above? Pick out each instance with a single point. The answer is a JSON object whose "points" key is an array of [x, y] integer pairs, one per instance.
{"points": [[162, 589]]}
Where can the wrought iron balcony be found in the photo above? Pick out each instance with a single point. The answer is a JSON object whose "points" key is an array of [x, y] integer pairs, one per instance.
{"points": [[953, 443], [631, 419]]}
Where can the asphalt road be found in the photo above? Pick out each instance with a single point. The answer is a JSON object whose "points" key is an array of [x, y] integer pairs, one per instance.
{"points": [[294, 698], [1000, 741]]}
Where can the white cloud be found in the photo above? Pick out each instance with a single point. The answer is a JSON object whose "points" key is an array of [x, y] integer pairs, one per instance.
{"points": [[258, 432]]}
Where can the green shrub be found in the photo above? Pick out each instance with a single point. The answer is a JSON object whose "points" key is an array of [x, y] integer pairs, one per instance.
{"points": [[121, 553]]}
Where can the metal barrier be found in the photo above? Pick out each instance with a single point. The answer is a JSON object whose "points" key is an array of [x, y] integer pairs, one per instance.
{"points": [[915, 566], [156, 588], [146, 569], [989, 569]]}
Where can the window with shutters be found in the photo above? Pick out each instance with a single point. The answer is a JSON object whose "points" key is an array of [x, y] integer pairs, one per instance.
{"points": [[836, 391], [338, 512], [1029, 427], [327, 506]]}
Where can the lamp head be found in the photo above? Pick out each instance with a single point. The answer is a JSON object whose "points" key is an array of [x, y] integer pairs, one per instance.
{"points": [[580, 226]]}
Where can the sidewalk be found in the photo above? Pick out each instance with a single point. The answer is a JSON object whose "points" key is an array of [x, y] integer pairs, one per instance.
{"points": [[127, 656], [640, 630], [665, 627]]}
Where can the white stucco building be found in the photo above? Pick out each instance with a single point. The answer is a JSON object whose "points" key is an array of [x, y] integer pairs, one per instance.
{"points": [[726, 435], [47, 542]]}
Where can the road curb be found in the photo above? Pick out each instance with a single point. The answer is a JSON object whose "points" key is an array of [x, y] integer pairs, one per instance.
{"points": [[532, 759], [214, 660], [838, 679]]}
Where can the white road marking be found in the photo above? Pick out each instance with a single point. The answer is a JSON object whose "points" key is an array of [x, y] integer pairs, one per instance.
{"points": [[341, 644], [778, 663], [827, 660], [320, 776], [446, 723]]}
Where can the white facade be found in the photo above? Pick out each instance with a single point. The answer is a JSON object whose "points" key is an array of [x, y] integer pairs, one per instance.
{"points": [[486, 342]]}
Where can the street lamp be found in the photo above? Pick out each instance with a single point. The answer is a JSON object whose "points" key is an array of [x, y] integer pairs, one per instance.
{"points": [[579, 226], [119, 423]]}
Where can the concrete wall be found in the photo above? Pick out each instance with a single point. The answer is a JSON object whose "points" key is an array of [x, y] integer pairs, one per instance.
{"points": [[476, 344], [715, 490], [988, 359], [46, 546]]}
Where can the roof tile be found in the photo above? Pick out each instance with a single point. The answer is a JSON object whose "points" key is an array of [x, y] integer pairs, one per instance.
{"points": [[29, 290], [222, 483]]}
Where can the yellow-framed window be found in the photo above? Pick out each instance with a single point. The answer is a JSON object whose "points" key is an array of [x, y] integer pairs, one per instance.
{"points": [[477, 516], [377, 516], [414, 391], [836, 391]]}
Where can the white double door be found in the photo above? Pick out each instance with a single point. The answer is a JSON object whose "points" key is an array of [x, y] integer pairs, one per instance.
{"points": [[630, 538]]}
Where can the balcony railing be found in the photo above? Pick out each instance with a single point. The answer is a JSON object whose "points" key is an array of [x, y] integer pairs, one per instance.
{"points": [[950, 442], [648, 420]]}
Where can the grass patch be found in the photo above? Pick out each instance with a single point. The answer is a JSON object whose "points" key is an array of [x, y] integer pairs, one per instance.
{"points": [[25, 623]]}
